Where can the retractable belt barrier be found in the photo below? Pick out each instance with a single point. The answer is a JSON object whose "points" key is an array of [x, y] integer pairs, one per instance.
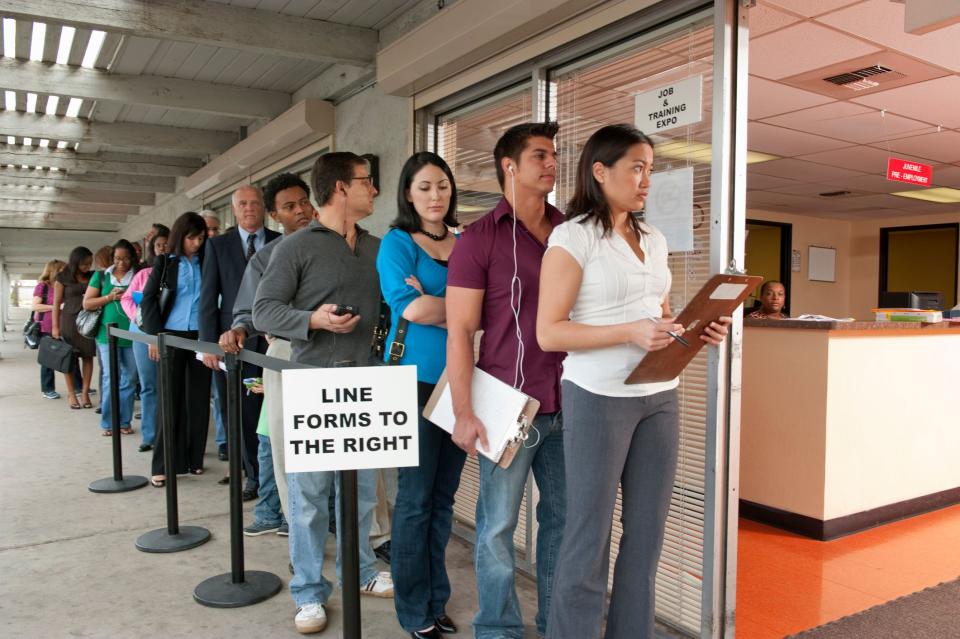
{"points": [[239, 587]]}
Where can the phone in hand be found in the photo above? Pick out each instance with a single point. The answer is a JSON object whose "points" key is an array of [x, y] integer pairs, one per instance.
{"points": [[346, 309], [250, 382]]}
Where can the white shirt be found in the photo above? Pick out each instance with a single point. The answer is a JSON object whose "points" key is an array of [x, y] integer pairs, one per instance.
{"points": [[616, 288]]}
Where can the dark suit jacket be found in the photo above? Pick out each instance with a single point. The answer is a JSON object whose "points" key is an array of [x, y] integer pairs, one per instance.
{"points": [[225, 260]]}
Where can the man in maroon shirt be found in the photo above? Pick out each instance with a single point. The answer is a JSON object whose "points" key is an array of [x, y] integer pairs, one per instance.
{"points": [[493, 284]]}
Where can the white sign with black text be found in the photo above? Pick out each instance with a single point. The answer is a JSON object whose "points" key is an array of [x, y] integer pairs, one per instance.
{"points": [[350, 418], [670, 106], [669, 207]]}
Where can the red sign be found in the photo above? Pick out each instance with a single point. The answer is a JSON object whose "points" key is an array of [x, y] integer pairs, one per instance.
{"points": [[909, 171]]}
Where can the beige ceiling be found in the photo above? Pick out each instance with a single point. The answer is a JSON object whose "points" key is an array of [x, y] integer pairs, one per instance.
{"points": [[834, 138]]}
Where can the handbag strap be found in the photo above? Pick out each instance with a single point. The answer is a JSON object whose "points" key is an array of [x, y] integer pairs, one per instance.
{"points": [[397, 346]]}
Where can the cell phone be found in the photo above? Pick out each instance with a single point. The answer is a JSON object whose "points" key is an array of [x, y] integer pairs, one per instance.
{"points": [[250, 382], [346, 309]]}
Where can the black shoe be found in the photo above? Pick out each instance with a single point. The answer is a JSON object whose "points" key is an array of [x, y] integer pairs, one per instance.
{"points": [[290, 566], [383, 552], [222, 452], [138, 416], [225, 481], [98, 410], [249, 494], [145, 447], [445, 624], [433, 633]]}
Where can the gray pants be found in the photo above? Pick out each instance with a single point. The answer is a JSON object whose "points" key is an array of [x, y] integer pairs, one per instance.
{"points": [[609, 440]]}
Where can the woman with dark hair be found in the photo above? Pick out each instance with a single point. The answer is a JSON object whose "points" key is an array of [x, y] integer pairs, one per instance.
{"points": [[412, 263], [179, 273], [104, 292], [68, 290], [146, 367], [609, 306], [773, 298]]}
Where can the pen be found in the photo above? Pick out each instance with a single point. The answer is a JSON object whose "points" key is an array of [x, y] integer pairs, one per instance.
{"points": [[671, 333]]}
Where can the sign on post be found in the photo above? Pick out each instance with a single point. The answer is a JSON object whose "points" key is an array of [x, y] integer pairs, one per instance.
{"points": [[909, 171], [350, 418], [669, 106]]}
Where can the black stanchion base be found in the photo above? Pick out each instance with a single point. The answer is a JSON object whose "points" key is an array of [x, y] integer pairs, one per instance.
{"points": [[221, 592], [111, 485], [160, 540]]}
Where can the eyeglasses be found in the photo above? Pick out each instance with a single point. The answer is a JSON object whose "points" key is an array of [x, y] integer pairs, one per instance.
{"points": [[367, 178]]}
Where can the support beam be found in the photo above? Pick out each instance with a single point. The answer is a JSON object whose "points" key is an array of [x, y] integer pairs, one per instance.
{"points": [[67, 218], [40, 225], [145, 90], [145, 137], [76, 208], [96, 196], [112, 181], [209, 23], [102, 162]]}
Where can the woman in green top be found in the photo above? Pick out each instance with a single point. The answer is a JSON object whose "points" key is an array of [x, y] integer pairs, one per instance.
{"points": [[104, 292]]}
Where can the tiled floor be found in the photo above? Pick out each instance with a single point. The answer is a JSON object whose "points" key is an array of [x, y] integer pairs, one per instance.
{"points": [[787, 583]]}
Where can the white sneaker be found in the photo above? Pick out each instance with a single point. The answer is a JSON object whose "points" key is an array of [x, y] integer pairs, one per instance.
{"points": [[380, 586], [311, 617]]}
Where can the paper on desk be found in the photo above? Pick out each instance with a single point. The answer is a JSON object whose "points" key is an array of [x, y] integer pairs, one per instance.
{"points": [[727, 291], [223, 366]]}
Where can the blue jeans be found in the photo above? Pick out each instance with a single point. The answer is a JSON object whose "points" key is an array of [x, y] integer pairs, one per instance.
{"points": [[220, 436], [501, 492], [309, 519], [422, 518], [267, 512], [147, 371], [128, 367]]}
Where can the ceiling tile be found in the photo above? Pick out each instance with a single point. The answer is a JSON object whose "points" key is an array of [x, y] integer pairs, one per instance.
{"points": [[852, 122], [801, 171], [810, 8], [882, 21], [802, 47], [942, 147], [947, 175], [875, 183], [758, 182], [777, 140], [859, 158], [764, 19], [769, 98], [934, 101]]}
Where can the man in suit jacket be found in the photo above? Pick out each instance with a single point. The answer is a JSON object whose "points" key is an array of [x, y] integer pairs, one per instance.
{"points": [[225, 260]]}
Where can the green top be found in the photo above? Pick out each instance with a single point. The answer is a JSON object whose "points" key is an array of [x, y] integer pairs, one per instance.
{"points": [[112, 312], [263, 424]]}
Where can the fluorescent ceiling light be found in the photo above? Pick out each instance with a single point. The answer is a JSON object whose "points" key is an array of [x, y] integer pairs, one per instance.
{"points": [[700, 152], [10, 100], [54, 168], [93, 49], [27, 142], [66, 43], [44, 142], [73, 107], [11, 139], [10, 37], [31, 103], [37, 40], [24, 166], [38, 167], [755, 157], [52, 102], [940, 195], [61, 144]]}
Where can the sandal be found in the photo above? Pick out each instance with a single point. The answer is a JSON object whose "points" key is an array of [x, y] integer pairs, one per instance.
{"points": [[126, 430], [74, 405], [106, 432], [87, 405], [196, 471], [158, 482]]}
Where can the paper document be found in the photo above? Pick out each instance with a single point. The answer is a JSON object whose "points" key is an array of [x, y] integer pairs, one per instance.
{"points": [[223, 366], [727, 291]]}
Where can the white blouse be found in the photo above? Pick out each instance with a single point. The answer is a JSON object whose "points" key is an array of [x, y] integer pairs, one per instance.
{"points": [[616, 288]]}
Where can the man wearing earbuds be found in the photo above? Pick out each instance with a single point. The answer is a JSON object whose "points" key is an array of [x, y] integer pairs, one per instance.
{"points": [[493, 285]]}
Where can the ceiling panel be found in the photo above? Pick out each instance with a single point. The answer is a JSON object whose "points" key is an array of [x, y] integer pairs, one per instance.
{"points": [[942, 147], [810, 8], [802, 171], [758, 182], [876, 182], [859, 158], [767, 98], [929, 101], [802, 47], [776, 140], [135, 54], [764, 19], [852, 122]]}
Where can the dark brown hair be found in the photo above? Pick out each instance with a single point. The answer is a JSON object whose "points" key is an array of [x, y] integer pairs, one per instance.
{"points": [[189, 224], [331, 168], [514, 140]]}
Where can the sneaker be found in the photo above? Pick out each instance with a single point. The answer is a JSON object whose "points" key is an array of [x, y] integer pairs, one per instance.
{"points": [[380, 586], [51, 395], [310, 618], [283, 530], [256, 529]]}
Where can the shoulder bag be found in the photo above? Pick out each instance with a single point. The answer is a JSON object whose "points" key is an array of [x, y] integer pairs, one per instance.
{"points": [[164, 298], [88, 322], [379, 343], [31, 329], [55, 354]]}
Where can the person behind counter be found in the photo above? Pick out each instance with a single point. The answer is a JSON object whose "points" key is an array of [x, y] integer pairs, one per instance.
{"points": [[773, 297]]}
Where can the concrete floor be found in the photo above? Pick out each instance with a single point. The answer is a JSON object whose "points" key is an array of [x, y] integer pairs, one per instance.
{"points": [[68, 565]]}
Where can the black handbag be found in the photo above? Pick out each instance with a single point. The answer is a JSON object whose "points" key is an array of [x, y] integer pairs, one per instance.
{"points": [[55, 354], [88, 322], [31, 329], [164, 299]]}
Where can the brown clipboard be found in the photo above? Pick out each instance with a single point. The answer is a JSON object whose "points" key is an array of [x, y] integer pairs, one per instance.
{"points": [[712, 301]]}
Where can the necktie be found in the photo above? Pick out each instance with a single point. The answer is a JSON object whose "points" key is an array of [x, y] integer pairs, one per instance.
{"points": [[251, 247]]}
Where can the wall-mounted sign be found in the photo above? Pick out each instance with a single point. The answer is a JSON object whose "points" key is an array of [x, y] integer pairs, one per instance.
{"points": [[669, 207], [909, 171], [670, 106]]}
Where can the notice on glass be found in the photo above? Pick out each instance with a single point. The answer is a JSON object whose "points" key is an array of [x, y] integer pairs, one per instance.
{"points": [[670, 207], [670, 106]]}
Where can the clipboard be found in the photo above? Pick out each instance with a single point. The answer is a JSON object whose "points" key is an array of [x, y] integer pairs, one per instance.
{"points": [[505, 412], [721, 295]]}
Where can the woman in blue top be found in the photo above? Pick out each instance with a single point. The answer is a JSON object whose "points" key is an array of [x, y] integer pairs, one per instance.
{"points": [[412, 263], [179, 272]]}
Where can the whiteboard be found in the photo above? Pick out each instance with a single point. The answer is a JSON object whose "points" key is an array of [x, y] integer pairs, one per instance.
{"points": [[822, 264]]}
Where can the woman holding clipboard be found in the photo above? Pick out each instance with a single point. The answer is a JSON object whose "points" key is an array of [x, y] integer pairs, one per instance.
{"points": [[609, 306]]}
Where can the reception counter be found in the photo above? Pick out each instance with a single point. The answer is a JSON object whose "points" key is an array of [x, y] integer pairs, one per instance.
{"points": [[847, 425]]}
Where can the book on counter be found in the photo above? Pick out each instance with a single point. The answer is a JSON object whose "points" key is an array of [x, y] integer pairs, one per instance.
{"points": [[908, 315]]}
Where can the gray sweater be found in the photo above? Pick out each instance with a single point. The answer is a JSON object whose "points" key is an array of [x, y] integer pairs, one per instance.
{"points": [[316, 266]]}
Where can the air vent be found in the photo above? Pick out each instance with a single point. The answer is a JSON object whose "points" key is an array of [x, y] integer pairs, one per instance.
{"points": [[858, 80], [834, 193]]}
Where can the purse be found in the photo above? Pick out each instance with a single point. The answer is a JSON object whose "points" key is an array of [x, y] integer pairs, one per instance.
{"points": [[31, 332], [164, 299], [88, 322], [55, 354]]}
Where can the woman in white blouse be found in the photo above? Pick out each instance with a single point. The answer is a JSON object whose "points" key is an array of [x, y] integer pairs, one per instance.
{"points": [[609, 306]]}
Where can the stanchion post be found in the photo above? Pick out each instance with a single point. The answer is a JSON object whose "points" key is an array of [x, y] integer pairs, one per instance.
{"points": [[239, 587], [350, 557], [173, 538], [117, 483]]}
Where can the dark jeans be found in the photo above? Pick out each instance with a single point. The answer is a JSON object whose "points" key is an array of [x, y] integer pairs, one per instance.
{"points": [[47, 383], [422, 518]]}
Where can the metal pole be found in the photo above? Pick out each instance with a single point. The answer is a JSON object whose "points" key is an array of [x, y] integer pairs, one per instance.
{"points": [[117, 483], [350, 554]]}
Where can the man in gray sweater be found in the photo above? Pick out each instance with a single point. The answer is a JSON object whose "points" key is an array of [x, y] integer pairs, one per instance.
{"points": [[321, 291]]}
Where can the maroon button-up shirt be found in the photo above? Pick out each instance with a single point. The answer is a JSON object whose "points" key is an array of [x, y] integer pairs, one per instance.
{"points": [[483, 259]]}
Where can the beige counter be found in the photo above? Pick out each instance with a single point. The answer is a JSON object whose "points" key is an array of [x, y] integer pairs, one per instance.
{"points": [[846, 425]]}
